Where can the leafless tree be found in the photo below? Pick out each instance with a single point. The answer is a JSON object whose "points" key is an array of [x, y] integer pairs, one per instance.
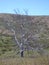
{"points": [[24, 41], [12, 28]]}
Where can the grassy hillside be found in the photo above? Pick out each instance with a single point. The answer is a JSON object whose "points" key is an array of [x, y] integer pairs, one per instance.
{"points": [[37, 27]]}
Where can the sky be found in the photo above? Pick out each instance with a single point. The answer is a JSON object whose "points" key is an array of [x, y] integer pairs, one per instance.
{"points": [[33, 7]]}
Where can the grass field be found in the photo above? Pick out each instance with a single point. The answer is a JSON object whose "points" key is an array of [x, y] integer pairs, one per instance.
{"points": [[41, 60]]}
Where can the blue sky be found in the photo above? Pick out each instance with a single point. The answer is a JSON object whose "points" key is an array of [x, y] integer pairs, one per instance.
{"points": [[34, 7]]}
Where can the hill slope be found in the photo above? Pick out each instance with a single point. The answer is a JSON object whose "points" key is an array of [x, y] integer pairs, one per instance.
{"points": [[34, 29]]}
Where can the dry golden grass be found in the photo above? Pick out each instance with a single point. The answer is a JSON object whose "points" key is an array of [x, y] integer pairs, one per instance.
{"points": [[25, 61]]}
